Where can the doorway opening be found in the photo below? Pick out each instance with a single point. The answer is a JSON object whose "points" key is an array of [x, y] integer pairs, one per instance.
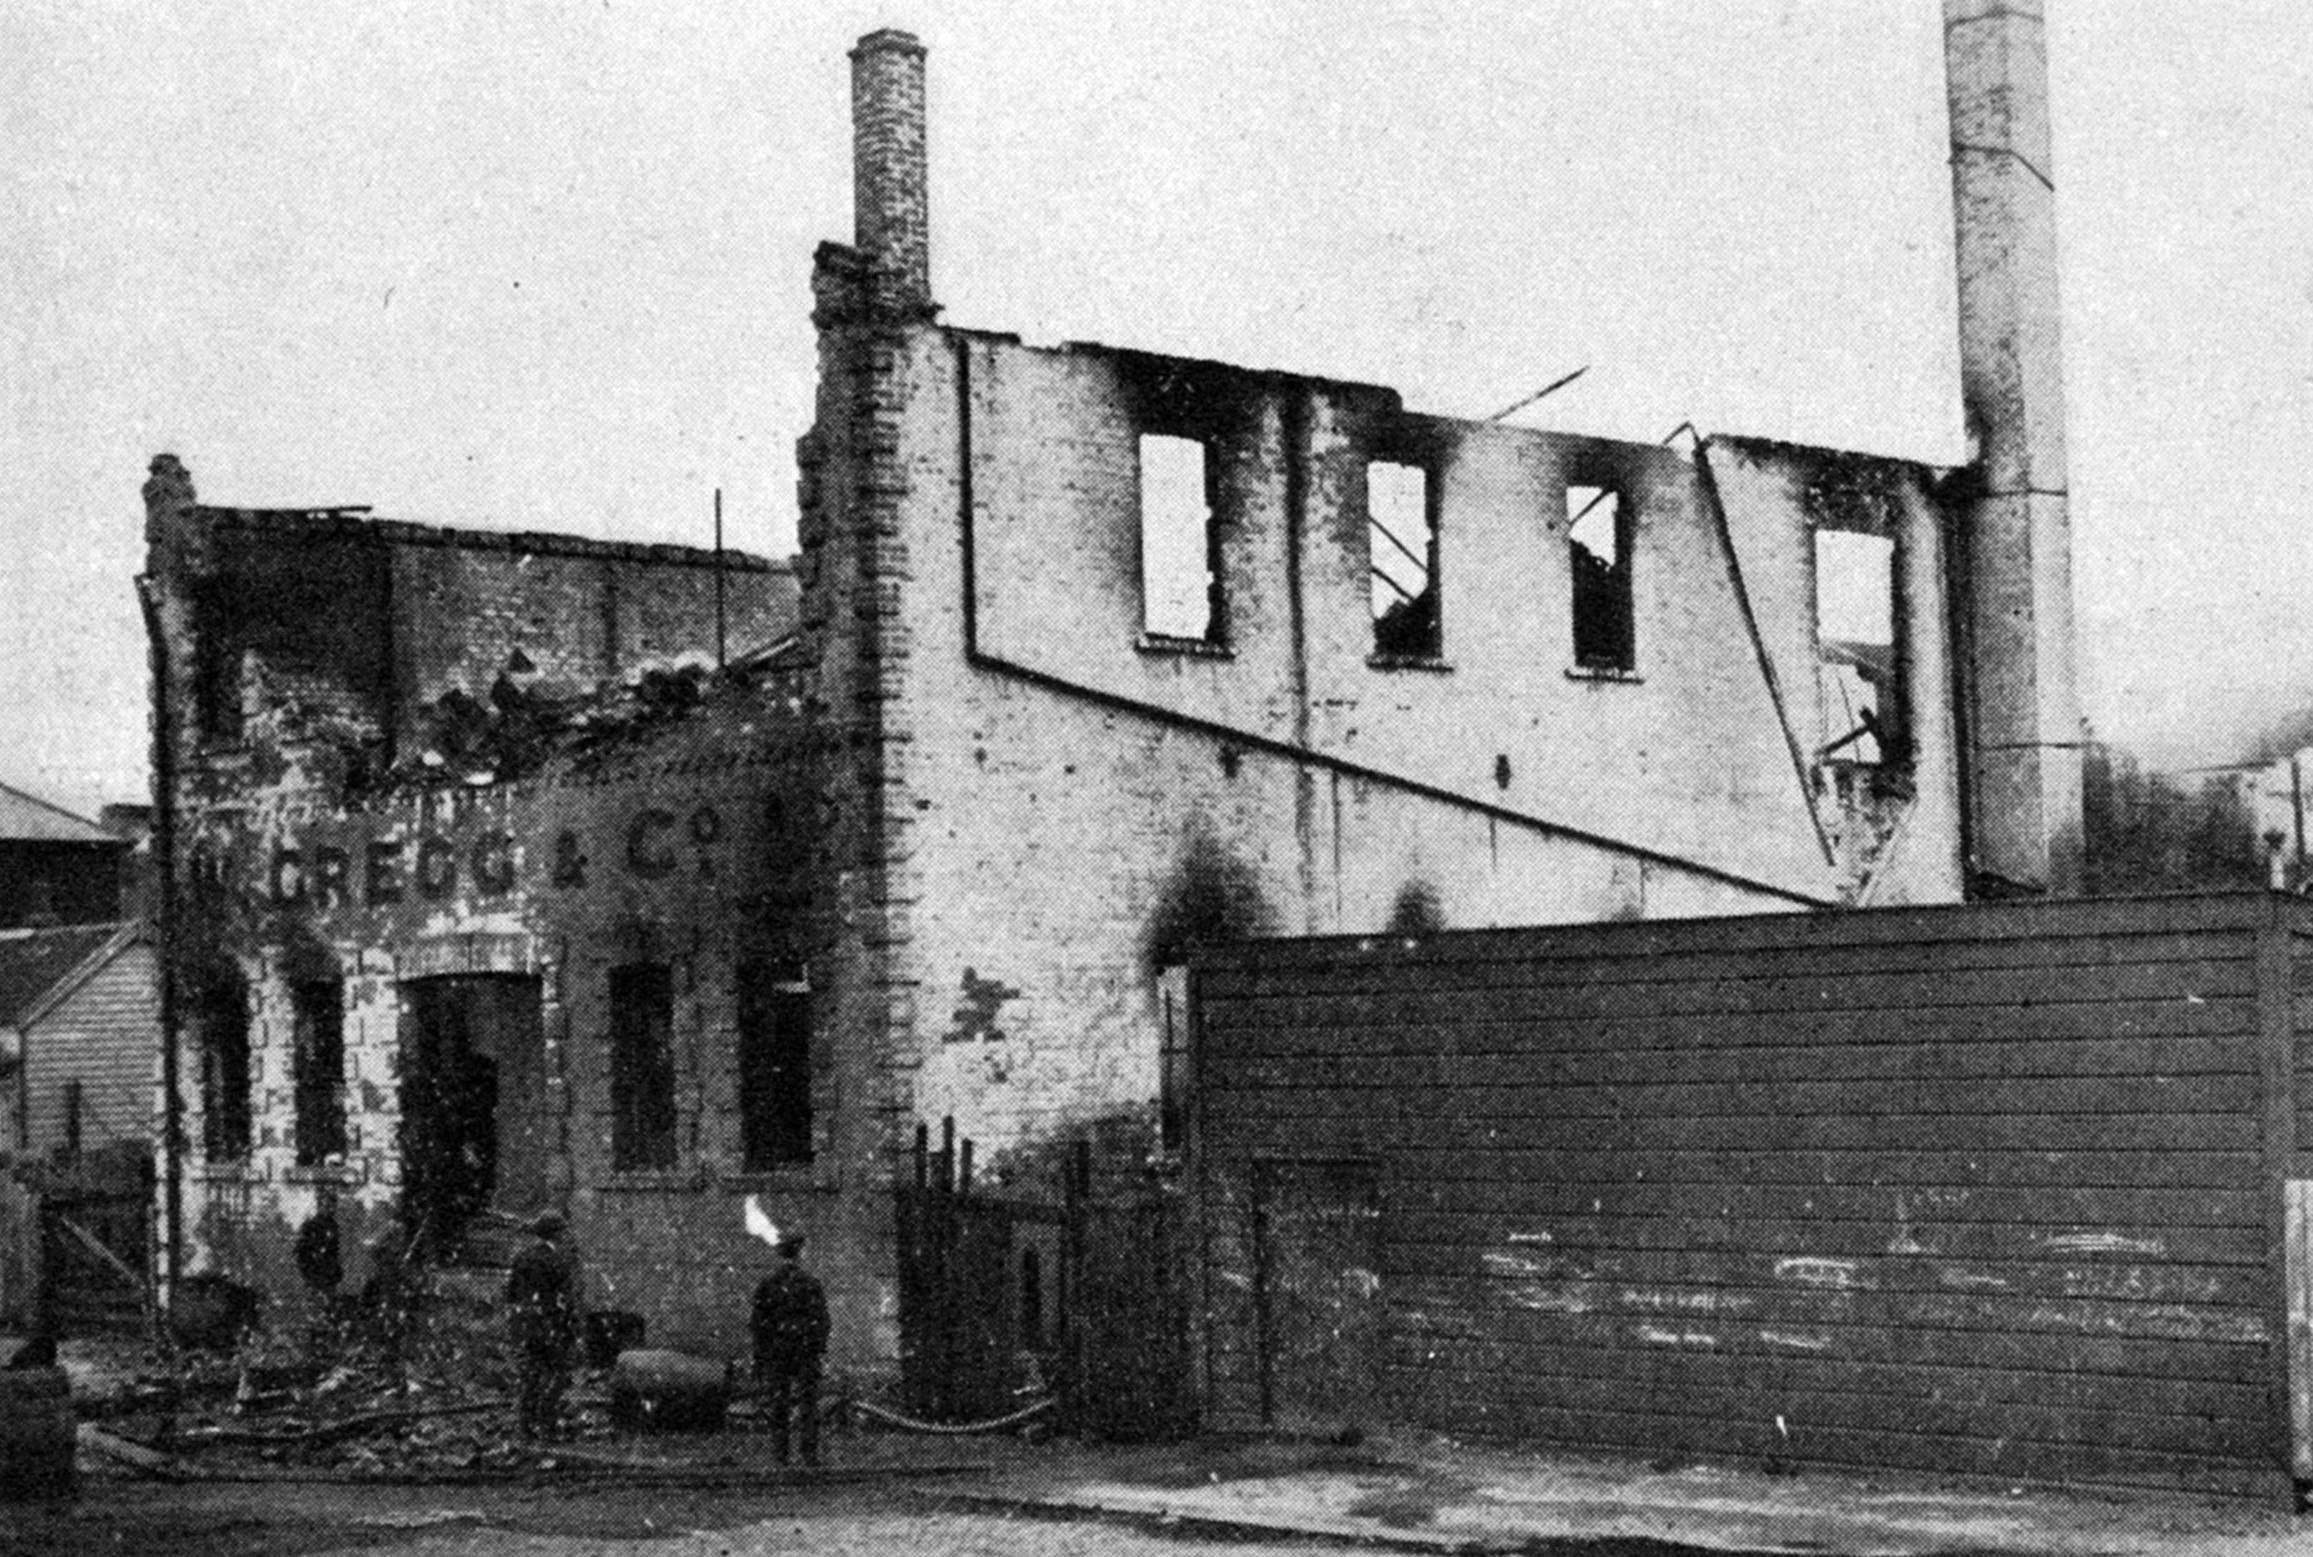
{"points": [[474, 1132]]}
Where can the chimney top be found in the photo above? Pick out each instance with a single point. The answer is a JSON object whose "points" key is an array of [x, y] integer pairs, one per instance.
{"points": [[168, 482], [891, 40], [891, 213]]}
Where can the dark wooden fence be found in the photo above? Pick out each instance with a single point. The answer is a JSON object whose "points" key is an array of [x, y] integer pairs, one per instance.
{"points": [[1996, 1190], [95, 1219], [1005, 1298]]}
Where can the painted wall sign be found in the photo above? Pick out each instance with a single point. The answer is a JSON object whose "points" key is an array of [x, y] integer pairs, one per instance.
{"points": [[432, 866]]}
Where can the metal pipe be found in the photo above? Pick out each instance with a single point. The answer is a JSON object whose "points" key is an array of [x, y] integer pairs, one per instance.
{"points": [[165, 926]]}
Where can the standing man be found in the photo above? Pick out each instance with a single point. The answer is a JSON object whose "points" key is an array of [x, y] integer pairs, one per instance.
{"points": [[790, 1327], [390, 1297], [542, 1311]]}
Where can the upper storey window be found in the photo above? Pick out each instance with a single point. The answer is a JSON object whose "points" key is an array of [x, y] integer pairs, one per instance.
{"points": [[1401, 528], [1599, 534], [1180, 547], [1855, 629]]}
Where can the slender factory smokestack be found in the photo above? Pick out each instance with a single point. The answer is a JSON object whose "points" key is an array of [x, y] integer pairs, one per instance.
{"points": [[891, 215], [2022, 703]]}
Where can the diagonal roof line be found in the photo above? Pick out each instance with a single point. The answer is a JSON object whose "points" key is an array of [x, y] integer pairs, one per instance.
{"points": [[81, 972], [91, 832]]}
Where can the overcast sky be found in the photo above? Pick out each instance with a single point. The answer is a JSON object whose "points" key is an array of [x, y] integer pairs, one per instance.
{"points": [[545, 265]]}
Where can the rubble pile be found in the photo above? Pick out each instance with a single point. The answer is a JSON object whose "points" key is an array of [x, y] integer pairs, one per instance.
{"points": [[321, 1388], [474, 741]]}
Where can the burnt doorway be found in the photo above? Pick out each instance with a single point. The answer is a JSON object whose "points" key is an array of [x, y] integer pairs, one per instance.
{"points": [[1317, 1229], [474, 1132]]}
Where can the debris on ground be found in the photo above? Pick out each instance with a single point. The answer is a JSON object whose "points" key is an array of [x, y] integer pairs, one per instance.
{"points": [[321, 1386], [318, 1387]]}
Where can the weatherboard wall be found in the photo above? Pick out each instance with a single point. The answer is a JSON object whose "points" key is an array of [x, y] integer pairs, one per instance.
{"points": [[1992, 1190]]}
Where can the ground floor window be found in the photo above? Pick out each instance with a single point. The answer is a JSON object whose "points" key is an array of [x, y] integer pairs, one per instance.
{"points": [[642, 1067], [319, 1061], [221, 1021], [774, 1032]]}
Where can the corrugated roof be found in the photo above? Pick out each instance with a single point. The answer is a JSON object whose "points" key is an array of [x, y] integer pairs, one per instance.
{"points": [[29, 819], [33, 962]]}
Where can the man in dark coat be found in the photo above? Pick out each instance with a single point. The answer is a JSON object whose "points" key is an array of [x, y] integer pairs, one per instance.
{"points": [[542, 1310], [391, 1296], [790, 1328]]}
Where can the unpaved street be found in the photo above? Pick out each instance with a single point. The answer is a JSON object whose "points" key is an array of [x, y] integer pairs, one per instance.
{"points": [[139, 1519]]}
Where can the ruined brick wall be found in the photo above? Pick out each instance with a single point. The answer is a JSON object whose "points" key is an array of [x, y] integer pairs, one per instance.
{"points": [[359, 627], [581, 612], [1043, 807], [664, 848], [602, 822]]}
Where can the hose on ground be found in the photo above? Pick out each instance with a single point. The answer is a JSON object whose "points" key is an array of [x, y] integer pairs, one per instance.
{"points": [[997, 1424]]}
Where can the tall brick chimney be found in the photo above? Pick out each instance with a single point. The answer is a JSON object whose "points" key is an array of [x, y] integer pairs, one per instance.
{"points": [[2022, 702], [891, 220]]}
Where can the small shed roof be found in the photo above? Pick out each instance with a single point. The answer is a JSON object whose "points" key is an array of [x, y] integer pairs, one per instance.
{"points": [[29, 819], [37, 965]]}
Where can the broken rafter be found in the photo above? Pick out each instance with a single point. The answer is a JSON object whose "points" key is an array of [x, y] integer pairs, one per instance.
{"points": [[1403, 593], [1389, 534], [1543, 393]]}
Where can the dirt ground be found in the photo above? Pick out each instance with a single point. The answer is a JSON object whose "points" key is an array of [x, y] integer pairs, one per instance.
{"points": [[144, 1519]]}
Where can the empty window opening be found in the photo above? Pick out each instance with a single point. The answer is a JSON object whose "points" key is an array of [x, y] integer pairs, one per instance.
{"points": [[216, 669], [1402, 531], [1598, 542], [73, 1106], [318, 1057], [1032, 1299], [1180, 558], [1855, 629], [221, 1017], [642, 1067], [774, 1022]]}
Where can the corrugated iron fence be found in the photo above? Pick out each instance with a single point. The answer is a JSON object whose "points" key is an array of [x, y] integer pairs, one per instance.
{"points": [[1996, 1190], [1006, 1299]]}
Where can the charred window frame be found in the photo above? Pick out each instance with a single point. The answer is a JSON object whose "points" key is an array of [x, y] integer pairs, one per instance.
{"points": [[775, 1041], [1852, 507], [318, 1059], [1601, 543], [314, 608], [1181, 599], [1182, 416], [642, 1067], [221, 1018], [1402, 527], [217, 651]]}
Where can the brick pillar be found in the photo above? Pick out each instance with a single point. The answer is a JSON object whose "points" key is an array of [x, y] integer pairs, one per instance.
{"points": [[2022, 702], [891, 218]]}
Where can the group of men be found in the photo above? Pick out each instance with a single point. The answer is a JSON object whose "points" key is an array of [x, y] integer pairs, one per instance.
{"points": [[788, 1321]]}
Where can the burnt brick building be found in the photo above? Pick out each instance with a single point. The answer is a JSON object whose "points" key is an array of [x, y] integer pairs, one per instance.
{"points": [[1096, 657], [473, 845]]}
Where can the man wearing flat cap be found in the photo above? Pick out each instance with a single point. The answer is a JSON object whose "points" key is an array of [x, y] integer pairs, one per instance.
{"points": [[542, 1312], [790, 1329]]}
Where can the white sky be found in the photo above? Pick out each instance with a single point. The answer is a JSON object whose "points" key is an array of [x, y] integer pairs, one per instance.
{"points": [[545, 265]]}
